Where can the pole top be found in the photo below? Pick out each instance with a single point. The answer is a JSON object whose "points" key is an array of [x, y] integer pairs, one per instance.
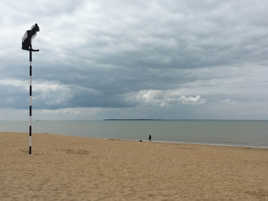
{"points": [[28, 36]]}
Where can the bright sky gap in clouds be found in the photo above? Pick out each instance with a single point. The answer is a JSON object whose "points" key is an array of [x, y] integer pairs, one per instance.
{"points": [[173, 59]]}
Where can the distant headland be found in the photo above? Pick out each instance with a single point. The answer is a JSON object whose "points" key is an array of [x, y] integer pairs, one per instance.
{"points": [[134, 119]]}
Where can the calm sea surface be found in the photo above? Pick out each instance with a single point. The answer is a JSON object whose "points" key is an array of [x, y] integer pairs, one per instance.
{"points": [[238, 133]]}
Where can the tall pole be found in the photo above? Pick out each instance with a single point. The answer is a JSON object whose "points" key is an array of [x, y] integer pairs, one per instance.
{"points": [[27, 45], [30, 104]]}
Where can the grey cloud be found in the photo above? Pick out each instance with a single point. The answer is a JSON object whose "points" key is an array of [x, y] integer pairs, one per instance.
{"points": [[103, 51]]}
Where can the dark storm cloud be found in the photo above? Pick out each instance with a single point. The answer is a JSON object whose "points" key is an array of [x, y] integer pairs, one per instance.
{"points": [[102, 54]]}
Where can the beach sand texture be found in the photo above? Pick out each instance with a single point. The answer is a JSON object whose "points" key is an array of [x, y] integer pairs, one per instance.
{"points": [[79, 169]]}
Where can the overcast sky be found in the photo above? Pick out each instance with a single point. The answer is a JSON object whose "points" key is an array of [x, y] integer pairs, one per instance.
{"points": [[172, 59]]}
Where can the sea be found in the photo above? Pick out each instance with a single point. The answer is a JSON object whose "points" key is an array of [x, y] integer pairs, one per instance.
{"points": [[215, 132]]}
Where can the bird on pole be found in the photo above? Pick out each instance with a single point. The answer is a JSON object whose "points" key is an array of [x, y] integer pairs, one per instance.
{"points": [[27, 45]]}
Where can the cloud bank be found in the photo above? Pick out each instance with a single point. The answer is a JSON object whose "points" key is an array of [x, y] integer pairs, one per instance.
{"points": [[155, 59]]}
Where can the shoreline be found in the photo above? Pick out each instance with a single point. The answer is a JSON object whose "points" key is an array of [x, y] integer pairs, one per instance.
{"points": [[214, 144], [155, 141], [190, 143]]}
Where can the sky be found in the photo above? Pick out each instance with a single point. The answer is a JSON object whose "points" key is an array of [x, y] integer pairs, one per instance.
{"points": [[172, 59]]}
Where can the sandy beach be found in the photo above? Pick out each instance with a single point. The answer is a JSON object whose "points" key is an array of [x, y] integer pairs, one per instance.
{"points": [[79, 169]]}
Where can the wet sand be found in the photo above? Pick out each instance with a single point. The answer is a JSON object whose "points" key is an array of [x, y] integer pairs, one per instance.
{"points": [[76, 169]]}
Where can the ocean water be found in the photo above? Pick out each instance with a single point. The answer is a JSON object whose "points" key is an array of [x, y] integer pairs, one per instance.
{"points": [[236, 133]]}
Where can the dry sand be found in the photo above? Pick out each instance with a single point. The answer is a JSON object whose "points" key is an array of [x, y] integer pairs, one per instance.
{"points": [[75, 168]]}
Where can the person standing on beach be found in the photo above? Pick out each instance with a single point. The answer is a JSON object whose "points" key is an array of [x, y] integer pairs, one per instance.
{"points": [[150, 137]]}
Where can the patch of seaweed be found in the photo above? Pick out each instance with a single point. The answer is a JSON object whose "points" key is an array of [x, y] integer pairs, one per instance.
{"points": [[260, 194], [78, 151]]}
